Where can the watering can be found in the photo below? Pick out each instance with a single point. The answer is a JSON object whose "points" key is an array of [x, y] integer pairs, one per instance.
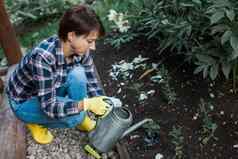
{"points": [[113, 127]]}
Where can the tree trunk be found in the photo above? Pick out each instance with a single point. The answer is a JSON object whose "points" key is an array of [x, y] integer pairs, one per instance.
{"points": [[8, 38]]}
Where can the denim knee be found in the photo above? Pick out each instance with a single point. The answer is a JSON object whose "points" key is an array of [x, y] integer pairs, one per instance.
{"points": [[77, 83]]}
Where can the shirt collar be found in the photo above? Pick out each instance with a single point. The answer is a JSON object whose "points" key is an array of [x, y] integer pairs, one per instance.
{"points": [[60, 54]]}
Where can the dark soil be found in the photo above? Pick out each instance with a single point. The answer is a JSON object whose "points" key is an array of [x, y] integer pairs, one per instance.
{"points": [[189, 89]]}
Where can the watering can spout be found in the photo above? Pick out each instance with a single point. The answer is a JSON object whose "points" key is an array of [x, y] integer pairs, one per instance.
{"points": [[136, 126]]}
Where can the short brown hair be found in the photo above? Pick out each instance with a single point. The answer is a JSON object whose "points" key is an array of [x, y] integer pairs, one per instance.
{"points": [[81, 20]]}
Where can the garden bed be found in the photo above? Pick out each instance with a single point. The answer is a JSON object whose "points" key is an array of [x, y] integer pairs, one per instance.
{"points": [[200, 121]]}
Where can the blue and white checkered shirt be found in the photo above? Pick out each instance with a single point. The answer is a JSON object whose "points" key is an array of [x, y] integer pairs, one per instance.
{"points": [[45, 69]]}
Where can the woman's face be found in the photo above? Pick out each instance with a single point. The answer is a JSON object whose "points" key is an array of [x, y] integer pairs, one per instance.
{"points": [[81, 44]]}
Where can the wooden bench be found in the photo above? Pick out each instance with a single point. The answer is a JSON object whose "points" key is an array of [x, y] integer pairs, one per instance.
{"points": [[12, 131]]}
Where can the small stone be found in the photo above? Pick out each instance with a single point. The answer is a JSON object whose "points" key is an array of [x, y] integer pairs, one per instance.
{"points": [[104, 156], [111, 154], [195, 117], [122, 84]]}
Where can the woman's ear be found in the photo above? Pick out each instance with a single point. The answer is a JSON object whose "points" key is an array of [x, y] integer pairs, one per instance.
{"points": [[71, 36]]}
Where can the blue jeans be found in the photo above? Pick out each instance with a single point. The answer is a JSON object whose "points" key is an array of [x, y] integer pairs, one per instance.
{"points": [[74, 89]]}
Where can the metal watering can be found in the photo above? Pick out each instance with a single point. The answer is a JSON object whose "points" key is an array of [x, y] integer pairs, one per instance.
{"points": [[113, 127]]}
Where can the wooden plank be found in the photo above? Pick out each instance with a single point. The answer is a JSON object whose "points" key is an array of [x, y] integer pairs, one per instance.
{"points": [[12, 136], [12, 131]]}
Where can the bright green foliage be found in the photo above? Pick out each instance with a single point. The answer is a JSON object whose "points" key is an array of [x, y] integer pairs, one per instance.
{"points": [[32, 38]]}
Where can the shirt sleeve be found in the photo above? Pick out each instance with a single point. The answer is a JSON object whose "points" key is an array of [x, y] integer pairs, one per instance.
{"points": [[44, 81], [93, 86]]}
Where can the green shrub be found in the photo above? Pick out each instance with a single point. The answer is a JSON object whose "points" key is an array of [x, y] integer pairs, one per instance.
{"points": [[203, 30], [32, 10]]}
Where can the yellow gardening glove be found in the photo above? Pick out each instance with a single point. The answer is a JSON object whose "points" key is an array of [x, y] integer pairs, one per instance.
{"points": [[96, 105]]}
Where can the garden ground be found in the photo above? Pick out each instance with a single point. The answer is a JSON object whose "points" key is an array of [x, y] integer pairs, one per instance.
{"points": [[200, 124]]}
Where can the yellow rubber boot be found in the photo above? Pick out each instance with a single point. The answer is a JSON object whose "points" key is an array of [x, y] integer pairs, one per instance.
{"points": [[40, 134], [87, 124]]}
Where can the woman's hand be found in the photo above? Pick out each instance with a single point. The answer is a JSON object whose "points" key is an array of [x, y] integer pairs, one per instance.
{"points": [[96, 105]]}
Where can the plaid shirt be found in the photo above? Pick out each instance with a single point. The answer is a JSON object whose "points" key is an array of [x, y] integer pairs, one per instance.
{"points": [[45, 69]]}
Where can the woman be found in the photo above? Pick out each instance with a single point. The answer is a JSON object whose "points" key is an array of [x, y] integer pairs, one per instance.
{"points": [[55, 84]]}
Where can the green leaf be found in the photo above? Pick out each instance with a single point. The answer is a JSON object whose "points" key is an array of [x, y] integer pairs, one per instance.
{"points": [[197, 1], [186, 4], [234, 43], [214, 126], [205, 59], [198, 69], [28, 15], [230, 14], [214, 71], [205, 72], [216, 17], [226, 36], [226, 69], [219, 28], [233, 56]]}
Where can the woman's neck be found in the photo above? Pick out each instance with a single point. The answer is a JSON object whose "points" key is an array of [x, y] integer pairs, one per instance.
{"points": [[66, 49]]}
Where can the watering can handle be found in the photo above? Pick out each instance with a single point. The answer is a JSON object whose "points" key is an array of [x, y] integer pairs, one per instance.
{"points": [[112, 102], [108, 101], [136, 126]]}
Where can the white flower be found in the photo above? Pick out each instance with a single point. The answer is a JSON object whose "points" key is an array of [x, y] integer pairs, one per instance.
{"points": [[120, 17], [126, 67], [123, 26], [112, 16], [142, 97], [119, 20], [124, 29], [151, 92], [157, 78], [139, 59], [159, 156]]}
